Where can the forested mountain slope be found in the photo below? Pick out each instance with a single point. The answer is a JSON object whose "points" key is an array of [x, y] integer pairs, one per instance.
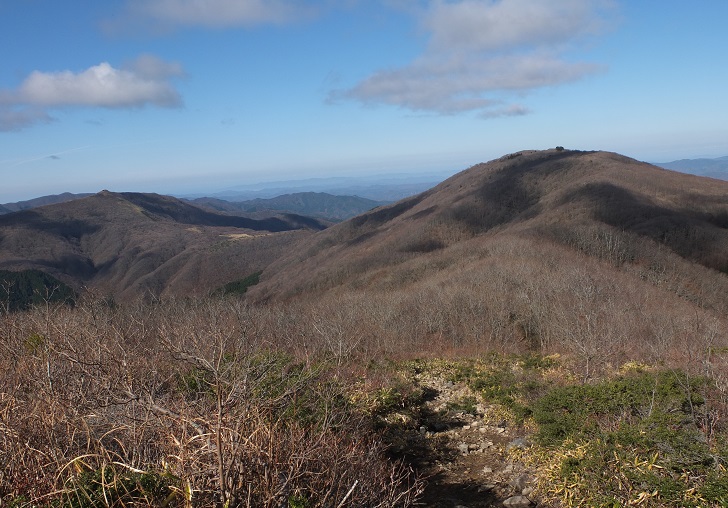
{"points": [[128, 244], [582, 250]]}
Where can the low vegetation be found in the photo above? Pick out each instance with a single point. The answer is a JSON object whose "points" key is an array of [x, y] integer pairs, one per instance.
{"points": [[639, 436], [213, 402], [180, 404]]}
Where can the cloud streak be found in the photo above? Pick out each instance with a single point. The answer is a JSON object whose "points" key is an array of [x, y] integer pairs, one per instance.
{"points": [[55, 156], [145, 81], [480, 51], [216, 13], [477, 25]]}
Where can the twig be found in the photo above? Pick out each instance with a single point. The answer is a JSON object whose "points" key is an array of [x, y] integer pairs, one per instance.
{"points": [[348, 494]]}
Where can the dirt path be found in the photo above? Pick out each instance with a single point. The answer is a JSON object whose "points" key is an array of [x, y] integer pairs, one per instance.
{"points": [[463, 453]]}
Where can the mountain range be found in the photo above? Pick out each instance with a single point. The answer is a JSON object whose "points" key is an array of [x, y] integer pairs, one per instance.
{"points": [[40, 201], [128, 245], [314, 204], [593, 254], [713, 168], [513, 235], [597, 203]]}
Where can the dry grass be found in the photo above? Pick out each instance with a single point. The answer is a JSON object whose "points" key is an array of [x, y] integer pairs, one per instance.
{"points": [[185, 402], [215, 402]]}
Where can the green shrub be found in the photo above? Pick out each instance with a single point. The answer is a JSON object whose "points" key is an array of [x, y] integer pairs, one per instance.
{"points": [[34, 342], [657, 400], [632, 440], [114, 486], [511, 382], [298, 501], [240, 287], [467, 404]]}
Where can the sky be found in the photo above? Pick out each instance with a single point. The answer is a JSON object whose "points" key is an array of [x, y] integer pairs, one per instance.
{"points": [[194, 96]]}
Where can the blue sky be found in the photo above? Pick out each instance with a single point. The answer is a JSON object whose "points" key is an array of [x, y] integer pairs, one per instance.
{"points": [[179, 96]]}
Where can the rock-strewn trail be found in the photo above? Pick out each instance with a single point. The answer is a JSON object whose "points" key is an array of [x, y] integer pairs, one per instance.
{"points": [[464, 453]]}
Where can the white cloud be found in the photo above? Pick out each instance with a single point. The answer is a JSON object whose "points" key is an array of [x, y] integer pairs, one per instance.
{"points": [[152, 67], [460, 84], [13, 119], [481, 50], [101, 85], [512, 110], [493, 26], [145, 81], [217, 13]]}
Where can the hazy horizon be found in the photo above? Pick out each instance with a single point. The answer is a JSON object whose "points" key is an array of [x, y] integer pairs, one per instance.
{"points": [[289, 182], [131, 95]]}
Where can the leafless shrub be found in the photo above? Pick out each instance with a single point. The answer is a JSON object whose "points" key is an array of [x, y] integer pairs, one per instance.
{"points": [[197, 394]]}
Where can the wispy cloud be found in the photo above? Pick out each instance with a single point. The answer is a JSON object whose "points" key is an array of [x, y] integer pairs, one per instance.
{"points": [[145, 81], [14, 118], [480, 51], [11, 163], [477, 25], [216, 13]]}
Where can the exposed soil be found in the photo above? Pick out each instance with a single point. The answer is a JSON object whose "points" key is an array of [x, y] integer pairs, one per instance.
{"points": [[464, 454]]}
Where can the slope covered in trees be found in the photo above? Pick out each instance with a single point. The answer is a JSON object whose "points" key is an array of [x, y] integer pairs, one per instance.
{"points": [[312, 204], [587, 252], [22, 290], [130, 245]]}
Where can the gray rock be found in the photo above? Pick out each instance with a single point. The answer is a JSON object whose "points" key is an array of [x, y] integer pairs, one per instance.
{"points": [[438, 427], [463, 447], [527, 491], [517, 501], [519, 442], [520, 482]]}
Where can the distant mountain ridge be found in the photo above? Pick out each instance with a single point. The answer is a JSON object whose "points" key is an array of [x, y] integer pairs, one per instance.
{"points": [[378, 187], [313, 204], [713, 168], [40, 201], [129, 244], [583, 205]]}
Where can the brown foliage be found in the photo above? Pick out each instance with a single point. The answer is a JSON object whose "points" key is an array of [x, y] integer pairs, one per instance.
{"points": [[192, 390], [131, 245]]}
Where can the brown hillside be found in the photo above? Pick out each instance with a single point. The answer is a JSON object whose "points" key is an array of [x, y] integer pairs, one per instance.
{"points": [[130, 244], [603, 204], [534, 247]]}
